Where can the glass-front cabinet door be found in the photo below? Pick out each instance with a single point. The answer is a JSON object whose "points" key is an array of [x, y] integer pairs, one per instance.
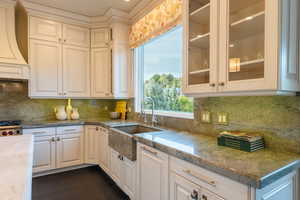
{"points": [[200, 45], [244, 49]]}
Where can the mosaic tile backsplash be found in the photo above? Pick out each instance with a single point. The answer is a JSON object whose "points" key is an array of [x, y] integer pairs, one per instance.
{"points": [[15, 104], [277, 117]]}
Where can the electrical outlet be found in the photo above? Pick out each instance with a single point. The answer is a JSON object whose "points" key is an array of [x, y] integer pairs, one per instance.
{"points": [[205, 117], [223, 118], [129, 109]]}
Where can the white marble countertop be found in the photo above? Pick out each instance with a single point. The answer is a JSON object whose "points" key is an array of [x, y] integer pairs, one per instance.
{"points": [[16, 155]]}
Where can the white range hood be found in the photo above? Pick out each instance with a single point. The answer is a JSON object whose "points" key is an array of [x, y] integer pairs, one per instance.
{"points": [[12, 63]]}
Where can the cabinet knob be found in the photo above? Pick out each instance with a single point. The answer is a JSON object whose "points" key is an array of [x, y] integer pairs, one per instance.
{"points": [[52, 139], [58, 139], [194, 195], [212, 85], [204, 197], [65, 40], [59, 39], [221, 84], [97, 128]]}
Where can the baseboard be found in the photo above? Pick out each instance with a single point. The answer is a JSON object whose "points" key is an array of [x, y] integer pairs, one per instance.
{"points": [[55, 171]]}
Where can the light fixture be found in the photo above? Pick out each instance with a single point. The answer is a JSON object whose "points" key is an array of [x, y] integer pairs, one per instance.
{"points": [[249, 18], [127, 0], [235, 65], [231, 45]]}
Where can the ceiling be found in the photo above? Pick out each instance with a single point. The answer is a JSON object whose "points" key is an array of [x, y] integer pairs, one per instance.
{"points": [[89, 8]]}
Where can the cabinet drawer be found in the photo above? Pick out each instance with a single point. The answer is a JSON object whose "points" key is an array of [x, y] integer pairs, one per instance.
{"points": [[69, 130], [40, 132], [211, 181]]}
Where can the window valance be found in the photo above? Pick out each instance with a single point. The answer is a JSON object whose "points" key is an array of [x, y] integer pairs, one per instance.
{"points": [[160, 20]]}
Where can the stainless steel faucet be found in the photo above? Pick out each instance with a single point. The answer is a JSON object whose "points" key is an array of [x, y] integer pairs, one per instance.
{"points": [[153, 119]]}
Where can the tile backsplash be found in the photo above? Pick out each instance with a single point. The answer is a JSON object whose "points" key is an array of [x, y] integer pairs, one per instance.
{"points": [[15, 104], [276, 117]]}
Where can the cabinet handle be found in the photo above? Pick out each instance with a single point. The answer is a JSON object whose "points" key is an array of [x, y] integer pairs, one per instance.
{"points": [[65, 93], [204, 197], [58, 139], [53, 139], [60, 93], [221, 84], [97, 128], [65, 40], [200, 177], [120, 157], [212, 85], [149, 151], [194, 195], [68, 130]]}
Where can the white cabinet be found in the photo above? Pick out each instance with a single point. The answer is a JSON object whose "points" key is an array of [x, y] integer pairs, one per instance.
{"points": [[123, 172], [46, 68], [75, 35], [129, 177], [100, 38], [103, 149], [59, 59], [182, 189], [44, 148], [152, 174], [91, 150], [101, 78], [116, 167], [234, 48], [43, 29], [56, 147], [69, 146], [76, 73]]}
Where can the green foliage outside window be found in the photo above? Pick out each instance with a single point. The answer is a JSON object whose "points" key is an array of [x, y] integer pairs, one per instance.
{"points": [[165, 90]]}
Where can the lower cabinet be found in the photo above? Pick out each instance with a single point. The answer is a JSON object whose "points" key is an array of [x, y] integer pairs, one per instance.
{"points": [[152, 181], [69, 149], [90, 138], [123, 172], [56, 147], [103, 149]]}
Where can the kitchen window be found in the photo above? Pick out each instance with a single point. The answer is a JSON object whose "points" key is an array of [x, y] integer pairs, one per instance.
{"points": [[158, 66]]}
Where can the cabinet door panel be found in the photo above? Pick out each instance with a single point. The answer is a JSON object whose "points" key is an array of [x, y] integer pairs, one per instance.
{"points": [[44, 154], [182, 189], [74, 35], [115, 167], [45, 29], [46, 68], [104, 153], [91, 145], [76, 71], [200, 46], [248, 59], [101, 72], [100, 38], [69, 150], [152, 174], [129, 177]]}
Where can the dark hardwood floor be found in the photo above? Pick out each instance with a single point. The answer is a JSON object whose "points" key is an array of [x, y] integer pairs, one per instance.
{"points": [[83, 184]]}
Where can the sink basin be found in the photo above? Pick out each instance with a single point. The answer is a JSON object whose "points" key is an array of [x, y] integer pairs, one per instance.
{"points": [[136, 129], [121, 138]]}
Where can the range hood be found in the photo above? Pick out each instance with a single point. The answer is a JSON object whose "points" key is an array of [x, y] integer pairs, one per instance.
{"points": [[12, 62]]}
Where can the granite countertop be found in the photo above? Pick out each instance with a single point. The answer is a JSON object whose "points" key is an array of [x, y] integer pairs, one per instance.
{"points": [[16, 167], [257, 169], [106, 122]]}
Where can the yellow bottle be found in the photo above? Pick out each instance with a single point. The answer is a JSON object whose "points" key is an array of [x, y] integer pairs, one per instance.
{"points": [[69, 110]]}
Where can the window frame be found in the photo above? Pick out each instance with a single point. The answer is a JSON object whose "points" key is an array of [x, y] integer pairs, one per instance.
{"points": [[138, 64]]}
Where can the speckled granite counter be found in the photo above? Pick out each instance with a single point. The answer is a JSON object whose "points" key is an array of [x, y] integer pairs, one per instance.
{"points": [[55, 123], [257, 169], [16, 167]]}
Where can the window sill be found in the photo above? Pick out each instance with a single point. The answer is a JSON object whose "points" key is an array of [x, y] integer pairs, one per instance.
{"points": [[182, 115]]}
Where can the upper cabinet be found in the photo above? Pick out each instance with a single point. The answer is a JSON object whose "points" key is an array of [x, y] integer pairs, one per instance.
{"points": [[100, 37], [240, 48], [59, 58]]}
